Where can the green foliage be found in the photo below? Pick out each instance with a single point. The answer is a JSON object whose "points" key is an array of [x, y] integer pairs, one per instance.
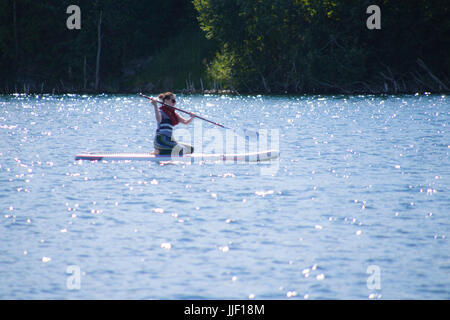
{"points": [[296, 46], [220, 69], [178, 63], [324, 45], [51, 55]]}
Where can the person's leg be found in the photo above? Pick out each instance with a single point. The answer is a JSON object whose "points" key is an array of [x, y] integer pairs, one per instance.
{"points": [[186, 148], [164, 144]]}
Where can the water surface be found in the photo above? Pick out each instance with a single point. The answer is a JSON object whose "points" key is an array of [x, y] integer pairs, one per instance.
{"points": [[362, 183]]}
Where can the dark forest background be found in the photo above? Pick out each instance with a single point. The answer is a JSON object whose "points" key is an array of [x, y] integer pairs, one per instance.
{"points": [[245, 46]]}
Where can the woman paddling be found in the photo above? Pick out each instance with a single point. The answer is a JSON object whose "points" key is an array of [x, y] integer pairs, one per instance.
{"points": [[166, 119]]}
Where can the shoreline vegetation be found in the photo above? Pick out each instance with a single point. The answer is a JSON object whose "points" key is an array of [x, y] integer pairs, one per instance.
{"points": [[225, 47]]}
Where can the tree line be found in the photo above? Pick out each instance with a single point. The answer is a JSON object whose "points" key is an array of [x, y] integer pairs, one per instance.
{"points": [[244, 46], [305, 46], [38, 52]]}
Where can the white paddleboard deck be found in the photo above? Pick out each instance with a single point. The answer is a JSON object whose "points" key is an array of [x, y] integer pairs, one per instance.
{"points": [[239, 157]]}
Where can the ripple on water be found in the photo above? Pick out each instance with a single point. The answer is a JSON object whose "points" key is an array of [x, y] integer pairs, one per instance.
{"points": [[360, 179]]}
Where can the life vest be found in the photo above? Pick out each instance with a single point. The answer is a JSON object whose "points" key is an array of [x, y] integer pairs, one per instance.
{"points": [[170, 112], [169, 119]]}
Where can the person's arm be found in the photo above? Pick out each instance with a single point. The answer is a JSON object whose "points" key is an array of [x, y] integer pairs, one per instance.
{"points": [[183, 120], [157, 112]]}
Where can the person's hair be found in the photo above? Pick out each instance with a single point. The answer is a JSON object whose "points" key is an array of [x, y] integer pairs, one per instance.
{"points": [[166, 95]]}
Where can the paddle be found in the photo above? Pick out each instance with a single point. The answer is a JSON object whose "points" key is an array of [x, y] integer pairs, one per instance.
{"points": [[201, 118], [181, 110]]}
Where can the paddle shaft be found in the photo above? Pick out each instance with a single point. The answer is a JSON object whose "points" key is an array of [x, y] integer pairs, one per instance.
{"points": [[181, 110]]}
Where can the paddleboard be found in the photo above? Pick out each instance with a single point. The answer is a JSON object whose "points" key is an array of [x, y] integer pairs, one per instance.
{"points": [[239, 157]]}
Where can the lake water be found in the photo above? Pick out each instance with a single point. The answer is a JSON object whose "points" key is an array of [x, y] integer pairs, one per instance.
{"points": [[356, 207]]}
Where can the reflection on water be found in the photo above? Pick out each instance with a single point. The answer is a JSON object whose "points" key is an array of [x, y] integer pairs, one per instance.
{"points": [[362, 181]]}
